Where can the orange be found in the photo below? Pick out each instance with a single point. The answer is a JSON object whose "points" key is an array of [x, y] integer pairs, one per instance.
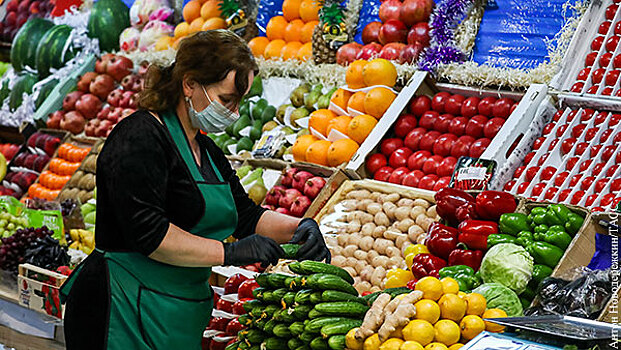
{"points": [[341, 151], [291, 9], [319, 120], [290, 50], [360, 127], [210, 9], [379, 72], [293, 30], [306, 34], [339, 123], [340, 98], [356, 101], [274, 48], [309, 10], [191, 11], [164, 42], [301, 145], [275, 28], [305, 52], [214, 23], [197, 25], [182, 30], [353, 75], [317, 152], [258, 44], [377, 101]]}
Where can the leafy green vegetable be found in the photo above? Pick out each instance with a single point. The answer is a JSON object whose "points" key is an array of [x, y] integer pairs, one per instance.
{"points": [[500, 297], [507, 264]]}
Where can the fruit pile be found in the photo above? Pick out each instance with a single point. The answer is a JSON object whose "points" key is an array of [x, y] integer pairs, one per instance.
{"points": [[315, 308], [59, 171], [9, 150], [10, 223], [375, 228], [295, 193], [18, 12], [81, 186], [427, 141], [14, 246], [289, 36], [600, 76], [252, 181], [574, 161], [27, 165], [83, 240], [199, 16], [401, 35], [102, 98], [435, 316]]}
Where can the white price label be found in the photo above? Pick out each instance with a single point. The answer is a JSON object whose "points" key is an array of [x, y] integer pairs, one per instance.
{"points": [[471, 173]]}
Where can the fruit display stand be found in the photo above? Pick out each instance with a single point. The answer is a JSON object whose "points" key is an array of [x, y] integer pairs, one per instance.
{"points": [[84, 178]]}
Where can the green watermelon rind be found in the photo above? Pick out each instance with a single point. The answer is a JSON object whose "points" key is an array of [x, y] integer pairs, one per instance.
{"points": [[24, 84], [54, 48], [108, 19], [26, 42]]}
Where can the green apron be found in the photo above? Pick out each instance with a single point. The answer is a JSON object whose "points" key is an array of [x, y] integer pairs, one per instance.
{"points": [[160, 306]]}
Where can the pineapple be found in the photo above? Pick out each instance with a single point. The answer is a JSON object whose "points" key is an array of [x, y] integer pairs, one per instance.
{"points": [[236, 19], [330, 33]]}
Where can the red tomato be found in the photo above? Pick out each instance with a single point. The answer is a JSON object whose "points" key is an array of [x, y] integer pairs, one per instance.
{"points": [[590, 59], [375, 162], [224, 305], [608, 152], [595, 150], [548, 129], [607, 91], [567, 145], [600, 185], [522, 187], [614, 119], [605, 135], [612, 43], [412, 178], [581, 148], [442, 146], [560, 178], [446, 166], [476, 126], [420, 105], [590, 200], [233, 327], [538, 189], [412, 140], [492, 127], [389, 146], [443, 122], [577, 87], [397, 175], [457, 126], [478, 147], [246, 288], [232, 283], [615, 185], [612, 77], [538, 142], [577, 197], [417, 159], [531, 173], [470, 107], [593, 89], [543, 159], [399, 158], [597, 43], [428, 120], [502, 108], [461, 147], [428, 181], [486, 106], [427, 141], [547, 173], [509, 185], [564, 194], [583, 75], [598, 168], [442, 183], [518, 172], [561, 130], [612, 170], [529, 157], [453, 104], [577, 130], [383, 174], [603, 28], [585, 165], [238, 306], [550, 193], [605, 59], [439, 100], [431, 164], [574, 180], [607, 199], [590, 134], [600, 118], [404, 125], [586, 183]]}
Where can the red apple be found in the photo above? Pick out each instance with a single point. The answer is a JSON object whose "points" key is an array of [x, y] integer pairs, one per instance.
{"points": [[347, 53], [389, 9], [446, 166], [577, 87], [389, 146], [428, 182], [571, 162], [417, 159], [369, 51], [414, 11], [486, 106], [428, 120], [547, 173], [443, 144], [611, 11], [419, 105], [509, 185], [597, 43], [605, 59], [612, 77], [393, 31], [404, 125], [461, 147], [522, 187], [399, 158], [392, 51], [538, 189], [419, 33], [412, 178], [492, 127], [370, 33], [375, 162], [454, 103], [583, 75], [397, 175], [478, 147], [439, 100], [427, 141], [603, 28], [469, 107]]}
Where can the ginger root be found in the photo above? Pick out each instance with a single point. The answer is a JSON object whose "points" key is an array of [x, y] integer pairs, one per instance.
{"points": [[373, 318], [402, 311]]}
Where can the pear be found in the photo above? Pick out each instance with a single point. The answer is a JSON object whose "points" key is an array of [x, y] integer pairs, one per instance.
{"points": [[287, 130], [243, 171], [280, 113], [269, 126], [298, 114], [303, 132], [297, 96], [257, 192], [240, 124], [281, 151], [244, 144], [323, 102], [318, 87], [311, 98], [254, 175]]}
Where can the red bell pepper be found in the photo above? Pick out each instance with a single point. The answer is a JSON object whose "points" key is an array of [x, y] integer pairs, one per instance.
{"points": [[441, 240], [466, 212], [470, 258], [426, 265], [447, 202], [491, 204], [473, 233], [412, 284]]}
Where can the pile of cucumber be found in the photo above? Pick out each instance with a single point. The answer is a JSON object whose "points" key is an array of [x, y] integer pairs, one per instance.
{"points": [[311, 311]]}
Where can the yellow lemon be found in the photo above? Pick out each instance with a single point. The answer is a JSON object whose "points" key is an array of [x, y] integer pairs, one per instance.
{"points": [[449, 285], [447, 332], [398, 333], [411, 345], [427, 310], [372, 343], [494, 313], [351, 341], [471, 326], [455, 346], [391, 344], [436, 346], [452, 307], [419, 331], [461, 294], [475, 304], [431, 288]]}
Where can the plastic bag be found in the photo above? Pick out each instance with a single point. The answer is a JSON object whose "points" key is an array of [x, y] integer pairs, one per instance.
{"points": [[141, 10], [128, 40], [152, 32], [369, 12]]}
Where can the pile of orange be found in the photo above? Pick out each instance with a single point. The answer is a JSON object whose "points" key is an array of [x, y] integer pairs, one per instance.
{"points": [[59, 171], [198, 15], [289, 36]]}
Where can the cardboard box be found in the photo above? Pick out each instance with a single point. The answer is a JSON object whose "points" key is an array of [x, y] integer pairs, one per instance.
{"points": [[39, 289]]}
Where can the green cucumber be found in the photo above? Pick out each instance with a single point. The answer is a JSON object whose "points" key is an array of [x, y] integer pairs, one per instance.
{"points": [[275, 344], [289, 299], [245, 320], [314, 313], [267, 295], [314, 326], [232, 346], [295, 267], [303, 296], [275, 297], [342, 308], [277, 280], [244, 345], [260, 323], [310, 267], [277, 316], [251, 304], [262, 280], [254, 336], [335, 295], [316, 298], [257, 293], [269, 326], [294, 283], [339, 328], [269, 311], [291, 250], [393, 292], [324, 281], [294, 343], [337, 342], [282, 331], [304, 347], [301, 311], [296, 328], [256, 312], [255, 347], [307, 337], [319, 344], [287, 315]]}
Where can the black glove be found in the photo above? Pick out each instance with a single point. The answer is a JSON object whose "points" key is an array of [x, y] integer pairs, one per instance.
{"points": [[252, 249], [314, 247]]}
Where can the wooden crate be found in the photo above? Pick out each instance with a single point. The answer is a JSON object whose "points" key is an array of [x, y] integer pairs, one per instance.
{"points": [[38, 288]]}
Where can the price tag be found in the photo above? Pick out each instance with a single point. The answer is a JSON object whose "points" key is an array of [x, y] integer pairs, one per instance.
{"points": [[472, 173]]}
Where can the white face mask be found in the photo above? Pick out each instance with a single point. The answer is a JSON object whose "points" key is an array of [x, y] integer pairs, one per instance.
{"points": [[214, 118]]}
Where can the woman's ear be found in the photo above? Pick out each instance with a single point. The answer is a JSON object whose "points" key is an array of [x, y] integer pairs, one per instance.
{"points": [[188, 85]]}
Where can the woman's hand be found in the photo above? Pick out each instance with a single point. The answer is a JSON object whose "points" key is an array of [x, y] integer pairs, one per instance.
{"points": [[252, 249], [314, 247]]}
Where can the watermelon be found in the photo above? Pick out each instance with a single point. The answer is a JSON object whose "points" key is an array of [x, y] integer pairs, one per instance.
{"points": [[4, 91], [45, 91], [23, 85], [26, 42], [108, 19], [55, 49]]}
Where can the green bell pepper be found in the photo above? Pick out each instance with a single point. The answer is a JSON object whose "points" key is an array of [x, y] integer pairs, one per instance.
{"points": [[541, 229], [464, 275], [555, 235], [540, 272], [450, 271], [574, 223], [545, 253], [537, 216], [495, 239], [525, 239], [513, 223], [557, 214]]}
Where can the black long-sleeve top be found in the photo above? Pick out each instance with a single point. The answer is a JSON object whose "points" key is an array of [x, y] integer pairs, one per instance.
{"points": [[143, 185]]}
